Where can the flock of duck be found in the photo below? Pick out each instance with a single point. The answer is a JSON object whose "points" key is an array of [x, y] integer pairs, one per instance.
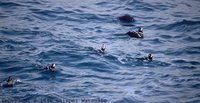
{"points": [[9, 82]]}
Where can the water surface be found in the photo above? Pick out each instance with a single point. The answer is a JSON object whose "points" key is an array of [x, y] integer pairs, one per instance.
{"points": [[35, 33]]}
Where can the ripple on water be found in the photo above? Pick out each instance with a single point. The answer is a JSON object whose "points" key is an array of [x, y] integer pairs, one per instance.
{"points": [[11, 5], [191, 39], [128, 100], [182, 26]]}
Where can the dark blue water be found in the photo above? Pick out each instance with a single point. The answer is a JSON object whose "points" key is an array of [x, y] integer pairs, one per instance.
{"points": [[36, 33]]}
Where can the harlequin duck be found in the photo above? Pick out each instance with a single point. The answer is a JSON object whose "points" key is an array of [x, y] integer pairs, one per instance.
{"points": [[126, 18], [148, 58], [136, 34], [9, 82], [103, 49], [52, 67]]}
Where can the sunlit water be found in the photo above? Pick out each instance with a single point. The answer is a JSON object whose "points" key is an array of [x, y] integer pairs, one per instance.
{"points": [[36, 33]]}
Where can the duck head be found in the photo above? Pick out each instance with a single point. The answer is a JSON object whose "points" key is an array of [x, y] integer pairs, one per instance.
{"points": [[103, 48], [140, 29], [9, 79], [53, 66], [150, 57]]}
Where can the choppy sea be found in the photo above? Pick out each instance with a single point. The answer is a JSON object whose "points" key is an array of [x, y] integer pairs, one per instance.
{"points": [[36, 33]]}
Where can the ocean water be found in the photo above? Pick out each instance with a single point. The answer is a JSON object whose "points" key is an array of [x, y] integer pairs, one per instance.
{"points": [[36, 33]]}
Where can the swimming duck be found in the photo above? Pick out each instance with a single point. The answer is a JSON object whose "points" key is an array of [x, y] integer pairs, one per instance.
{"points": [[136, 34], [103, 49], [126, 18], [9, 82], [52, 67], [148, 58]]}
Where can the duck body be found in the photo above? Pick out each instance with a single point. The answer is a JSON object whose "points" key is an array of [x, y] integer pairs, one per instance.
{"points": [[126, 18], [103, 49], [52, 67], [135, 34], [9, 82], [148, 58]]}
